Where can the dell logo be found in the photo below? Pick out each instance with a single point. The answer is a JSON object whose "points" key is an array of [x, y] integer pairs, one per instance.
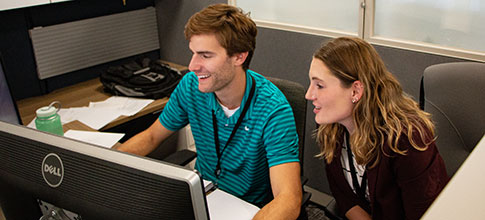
{"points": [[52, 170]]}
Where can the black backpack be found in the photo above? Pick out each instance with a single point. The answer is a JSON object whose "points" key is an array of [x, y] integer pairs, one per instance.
{"points": [[143, 78]]}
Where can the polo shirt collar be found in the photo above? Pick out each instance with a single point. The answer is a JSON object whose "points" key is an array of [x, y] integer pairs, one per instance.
{"points": [[218, 109]]}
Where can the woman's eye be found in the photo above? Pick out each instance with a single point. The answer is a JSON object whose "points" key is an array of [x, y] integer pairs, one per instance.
{"points": [[319, 86]]}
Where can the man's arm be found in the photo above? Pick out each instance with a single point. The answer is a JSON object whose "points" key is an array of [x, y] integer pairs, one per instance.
{"points": [[286, 187], [146, 141]]}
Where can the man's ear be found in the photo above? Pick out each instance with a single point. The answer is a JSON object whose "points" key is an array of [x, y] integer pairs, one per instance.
{"points": [[357, 91], [240, 58]]}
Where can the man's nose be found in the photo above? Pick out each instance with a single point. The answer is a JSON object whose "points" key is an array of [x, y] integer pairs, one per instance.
{"points": [[194, 64]]}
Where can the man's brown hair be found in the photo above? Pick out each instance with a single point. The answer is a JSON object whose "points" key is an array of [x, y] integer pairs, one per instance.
{"points": [[234, 30]]}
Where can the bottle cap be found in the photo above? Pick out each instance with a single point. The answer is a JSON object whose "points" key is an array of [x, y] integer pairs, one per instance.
{"points": [[47, 111]]}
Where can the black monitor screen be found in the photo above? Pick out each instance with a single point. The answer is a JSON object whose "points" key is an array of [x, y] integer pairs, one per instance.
{"points": [[8, 110], [91, 182]]}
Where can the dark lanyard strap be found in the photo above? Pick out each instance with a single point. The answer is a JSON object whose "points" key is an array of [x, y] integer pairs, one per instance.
{"points": [[217, 172], [359, 188]]}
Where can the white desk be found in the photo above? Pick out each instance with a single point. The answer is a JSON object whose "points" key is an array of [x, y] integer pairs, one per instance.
{"points": [[223, 206]]}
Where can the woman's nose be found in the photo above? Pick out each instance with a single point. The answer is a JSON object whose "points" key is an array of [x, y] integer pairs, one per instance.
{"points": [[309, 95]]}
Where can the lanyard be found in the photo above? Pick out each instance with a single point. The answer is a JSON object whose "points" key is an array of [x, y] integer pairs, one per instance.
{"points": [[217, 172], [359, 188]]}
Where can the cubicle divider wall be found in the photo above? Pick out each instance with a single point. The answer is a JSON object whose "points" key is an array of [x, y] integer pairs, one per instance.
{"points": [[80, 44], [17, 49]]}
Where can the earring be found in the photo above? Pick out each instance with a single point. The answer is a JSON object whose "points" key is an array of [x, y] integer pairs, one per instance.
{"points": [[354, 100]]}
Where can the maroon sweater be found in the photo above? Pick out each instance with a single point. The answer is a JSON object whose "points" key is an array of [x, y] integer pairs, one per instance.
{"points": [[400, 186]]}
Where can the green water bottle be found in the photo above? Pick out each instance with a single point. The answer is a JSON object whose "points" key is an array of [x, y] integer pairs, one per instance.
{"points": [[48, 120]]}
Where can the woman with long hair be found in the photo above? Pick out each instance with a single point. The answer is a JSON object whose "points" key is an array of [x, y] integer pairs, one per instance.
{"points": [[378, 145]]}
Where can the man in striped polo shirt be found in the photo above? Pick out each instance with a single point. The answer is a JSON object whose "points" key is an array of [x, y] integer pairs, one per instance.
{"points": [[243, 126]]}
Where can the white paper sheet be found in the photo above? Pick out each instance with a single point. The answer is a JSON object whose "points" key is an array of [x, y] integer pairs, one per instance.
{"points": [[125, 105], [223, 206], [104, 139], [71, 114], [32, 124], [97, 118]]}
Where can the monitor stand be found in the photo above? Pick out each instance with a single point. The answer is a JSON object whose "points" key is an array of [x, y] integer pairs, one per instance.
{"points": [[51, 212]]}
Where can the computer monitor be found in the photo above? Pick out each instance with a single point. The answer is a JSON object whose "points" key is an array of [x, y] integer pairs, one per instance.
{"points": [[8, 110], [91, 181]]}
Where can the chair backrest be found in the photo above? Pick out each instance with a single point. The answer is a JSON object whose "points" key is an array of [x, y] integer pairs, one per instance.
{"points": [[295, 94], [453, 94]]}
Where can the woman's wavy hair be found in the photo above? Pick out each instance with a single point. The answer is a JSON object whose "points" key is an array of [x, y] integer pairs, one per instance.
{"points": [[234, 30], [383, 113]]}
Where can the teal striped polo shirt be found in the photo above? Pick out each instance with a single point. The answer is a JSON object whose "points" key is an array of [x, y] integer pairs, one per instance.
{"points": [[266, 137]]}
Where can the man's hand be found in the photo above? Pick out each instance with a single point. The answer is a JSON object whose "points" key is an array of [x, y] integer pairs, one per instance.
{"points": [[146, 141], [287, 191]]}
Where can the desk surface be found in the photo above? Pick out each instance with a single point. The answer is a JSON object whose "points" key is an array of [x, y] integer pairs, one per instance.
{"points": [[79, 95]]}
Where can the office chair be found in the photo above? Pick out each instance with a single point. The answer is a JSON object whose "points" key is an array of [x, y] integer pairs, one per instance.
{"points": [[453, 94], [181, 157], [295, 94]]}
